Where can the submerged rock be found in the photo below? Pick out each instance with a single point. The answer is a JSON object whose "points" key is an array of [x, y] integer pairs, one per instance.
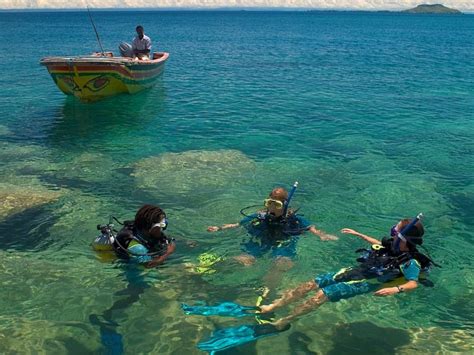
{"points": [[18, 198], [196, 171], [88, 167], [24, 160]]}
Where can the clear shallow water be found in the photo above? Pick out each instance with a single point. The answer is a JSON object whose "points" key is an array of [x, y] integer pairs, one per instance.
{"points": [[371, 113]]}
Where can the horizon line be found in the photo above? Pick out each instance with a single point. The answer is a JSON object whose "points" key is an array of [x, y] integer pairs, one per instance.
{"points": [[230, 9]]}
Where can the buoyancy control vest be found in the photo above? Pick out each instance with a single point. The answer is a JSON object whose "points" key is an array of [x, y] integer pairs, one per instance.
{"points": [[288, 225], [382, 259], [129, 234]]}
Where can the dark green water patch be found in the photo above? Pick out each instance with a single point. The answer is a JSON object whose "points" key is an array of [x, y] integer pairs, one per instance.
{"points": [[28, 230], [299, 343], [367, 338]]}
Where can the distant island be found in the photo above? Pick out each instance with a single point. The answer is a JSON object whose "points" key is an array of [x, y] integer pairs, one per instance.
{"points": [[432, 9]]}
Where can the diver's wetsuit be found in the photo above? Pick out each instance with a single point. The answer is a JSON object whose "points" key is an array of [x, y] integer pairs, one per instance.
{"points": [[131, 245], [275, 235], [377, 268]]}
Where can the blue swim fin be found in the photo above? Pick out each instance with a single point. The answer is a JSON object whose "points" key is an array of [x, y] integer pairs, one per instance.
{"points": [[226, 309], [230, 337]]}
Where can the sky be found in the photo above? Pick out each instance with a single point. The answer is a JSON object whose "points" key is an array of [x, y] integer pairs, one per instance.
{"points": [[463, 5]]}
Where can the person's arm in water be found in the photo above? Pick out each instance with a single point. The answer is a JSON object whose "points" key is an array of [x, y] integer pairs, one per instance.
{"points": [[388, 291], [224, 226], [171, 247], [321, 234], [411, 271], [360, 235], [305, 225], [244, 221]]}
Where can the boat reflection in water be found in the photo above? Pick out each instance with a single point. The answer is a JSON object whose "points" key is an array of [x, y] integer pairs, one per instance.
{"points": [[85, 125]]}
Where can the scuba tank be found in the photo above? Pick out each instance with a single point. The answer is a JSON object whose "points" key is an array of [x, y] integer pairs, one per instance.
{"points": [[119, 241], [106, 239]]}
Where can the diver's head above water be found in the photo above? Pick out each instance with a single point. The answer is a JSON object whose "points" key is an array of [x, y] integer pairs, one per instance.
{"points": [[150, 222], [275, 203], [413, 236]]}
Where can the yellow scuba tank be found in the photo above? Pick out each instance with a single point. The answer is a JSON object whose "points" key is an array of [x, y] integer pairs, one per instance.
{"points": [[105, 241]]}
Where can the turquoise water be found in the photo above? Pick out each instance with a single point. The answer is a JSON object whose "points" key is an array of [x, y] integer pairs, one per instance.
{"points": [[372, 113]]}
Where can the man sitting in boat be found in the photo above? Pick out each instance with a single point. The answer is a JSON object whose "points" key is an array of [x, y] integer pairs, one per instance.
{"points": [[140, 48]]}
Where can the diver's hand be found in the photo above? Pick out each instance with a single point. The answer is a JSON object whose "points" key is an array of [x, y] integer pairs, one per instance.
{"points": [[171, 248], [322, 235], [349, 231], [225, 226], [155, 262], [388, 291], [161, 259], [368, 239]]}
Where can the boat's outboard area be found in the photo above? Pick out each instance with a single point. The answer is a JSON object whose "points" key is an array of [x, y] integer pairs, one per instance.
{"points": [[126, 49]]}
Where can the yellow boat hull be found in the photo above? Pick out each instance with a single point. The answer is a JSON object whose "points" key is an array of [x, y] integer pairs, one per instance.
{"points": [[96, 77]]}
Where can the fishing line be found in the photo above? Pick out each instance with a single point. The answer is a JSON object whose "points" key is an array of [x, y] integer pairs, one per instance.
{"points": [[95, 30]]}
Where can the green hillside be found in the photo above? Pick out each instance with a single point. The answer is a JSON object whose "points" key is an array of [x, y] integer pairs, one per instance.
{"points": [[432, 9]]}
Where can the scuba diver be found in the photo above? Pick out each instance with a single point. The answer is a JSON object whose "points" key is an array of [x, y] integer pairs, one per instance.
{"points": [[391, 266], [273, 230], [140, 241]]}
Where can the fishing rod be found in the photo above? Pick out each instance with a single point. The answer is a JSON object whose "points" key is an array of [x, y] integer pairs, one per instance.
{"points": [[96, 33]]}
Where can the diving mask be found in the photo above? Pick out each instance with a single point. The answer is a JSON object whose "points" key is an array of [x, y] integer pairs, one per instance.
{"points": [[393, 231], [162, 224], [270, 202]]}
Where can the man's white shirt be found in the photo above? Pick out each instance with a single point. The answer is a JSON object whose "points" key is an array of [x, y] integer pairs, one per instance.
{"points": [[141, 44]]}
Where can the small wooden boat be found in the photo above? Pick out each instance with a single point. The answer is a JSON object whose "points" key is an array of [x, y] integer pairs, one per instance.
{"points": [[94, 77]]}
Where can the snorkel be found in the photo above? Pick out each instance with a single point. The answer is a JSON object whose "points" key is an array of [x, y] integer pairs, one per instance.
{"points": [[401, 235], [290, 195]]}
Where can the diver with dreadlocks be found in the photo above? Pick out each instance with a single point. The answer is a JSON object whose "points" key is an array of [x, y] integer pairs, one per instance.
{"points": [[391, 266], [142, 240], [273, 230]]}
